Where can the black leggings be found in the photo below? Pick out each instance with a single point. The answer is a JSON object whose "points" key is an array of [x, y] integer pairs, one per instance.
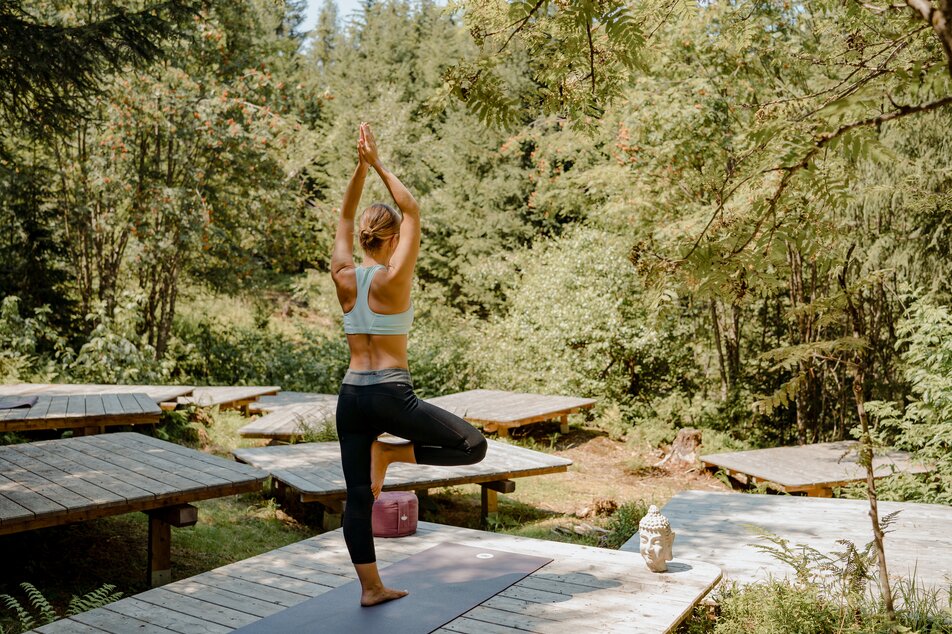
{"points": [[366, 411]]}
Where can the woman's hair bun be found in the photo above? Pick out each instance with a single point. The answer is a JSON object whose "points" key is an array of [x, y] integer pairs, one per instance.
{"points": [[378, 222]]}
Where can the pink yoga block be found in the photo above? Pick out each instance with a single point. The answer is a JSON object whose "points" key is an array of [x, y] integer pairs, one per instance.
{"points": [[395, 514]]}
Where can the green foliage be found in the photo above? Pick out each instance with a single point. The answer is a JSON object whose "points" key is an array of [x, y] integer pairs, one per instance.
{"points": [[26, 343], [39, 611], [624, 523], [61, 61], [829, 594], [925, 425], [228, 354]]}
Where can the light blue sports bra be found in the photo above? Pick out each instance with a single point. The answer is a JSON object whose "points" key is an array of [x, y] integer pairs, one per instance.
{"points": [[360, 320]]}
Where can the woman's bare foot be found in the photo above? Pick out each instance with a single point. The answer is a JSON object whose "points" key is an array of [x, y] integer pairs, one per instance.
{"points": [[382, 455], [380, 595]]}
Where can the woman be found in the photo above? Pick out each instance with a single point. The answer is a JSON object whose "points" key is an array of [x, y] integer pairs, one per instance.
{"points": [[376, 395]]}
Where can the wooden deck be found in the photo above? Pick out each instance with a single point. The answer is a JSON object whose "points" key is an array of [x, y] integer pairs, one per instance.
{"points": [[583, 590], [274, 402], [158, 393], [312, 472], [57, 482], [811, 469], [88, 413], [499, 411], [290, 422], [228, 397], [717, 527]]}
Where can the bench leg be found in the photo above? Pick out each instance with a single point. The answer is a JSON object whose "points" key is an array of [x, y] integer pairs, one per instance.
{"points": [[490, 505], [332, 514], [160, 551], [564, 428], [502, 432], [161, 521]]}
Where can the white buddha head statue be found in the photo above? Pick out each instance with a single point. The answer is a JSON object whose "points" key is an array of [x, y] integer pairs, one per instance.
{"points": [[656, 540]]}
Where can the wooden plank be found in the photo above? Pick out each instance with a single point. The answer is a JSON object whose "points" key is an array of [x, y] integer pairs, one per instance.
{"points": [[57, 408], [146, 404], [212, 464], [165, 617], [111, 404], [207, 472], [94, 405], [226, 598], [716, 527], [129, 404], [75, 406], [810, 468], [83, 494], [32, 492], [153, 479], [92, 470]]}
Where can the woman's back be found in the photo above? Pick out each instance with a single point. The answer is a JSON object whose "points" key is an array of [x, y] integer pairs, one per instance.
{"points": [[376, 328]]}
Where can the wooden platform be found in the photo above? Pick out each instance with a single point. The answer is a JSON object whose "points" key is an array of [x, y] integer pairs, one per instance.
{"points": [[88, 413], [583, 590], [57, 482], [312, 472], [715, 527], [499, 411], [158, 393], [810, 469], [227, 397], [272, 403], [288, 422]]}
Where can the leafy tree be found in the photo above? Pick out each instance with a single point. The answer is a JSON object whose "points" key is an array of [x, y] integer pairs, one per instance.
{"points": [[54, 63]]}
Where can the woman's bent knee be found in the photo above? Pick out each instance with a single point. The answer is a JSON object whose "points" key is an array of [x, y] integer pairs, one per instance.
{"points": [[477, 447]]}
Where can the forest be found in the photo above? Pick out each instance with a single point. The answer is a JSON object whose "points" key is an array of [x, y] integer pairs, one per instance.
{"points": [[731, 216]]}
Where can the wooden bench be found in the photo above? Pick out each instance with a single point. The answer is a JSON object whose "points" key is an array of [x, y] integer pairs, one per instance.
{"points": [[311, 473], [584, 589], [227, 397], [162, 394], [86, 413], [813, 470], [719, 527], [292, 421], [56, 482], [499, 411]]}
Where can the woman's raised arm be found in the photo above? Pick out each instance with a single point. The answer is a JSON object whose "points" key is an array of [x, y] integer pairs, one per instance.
{"points": [[343, 255], [405, 256]]}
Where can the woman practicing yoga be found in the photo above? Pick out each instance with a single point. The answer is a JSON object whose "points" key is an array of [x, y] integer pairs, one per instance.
{"points": [[376, 395]]}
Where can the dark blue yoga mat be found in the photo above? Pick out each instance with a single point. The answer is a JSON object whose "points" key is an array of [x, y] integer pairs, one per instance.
{"points": [[444, 582]]}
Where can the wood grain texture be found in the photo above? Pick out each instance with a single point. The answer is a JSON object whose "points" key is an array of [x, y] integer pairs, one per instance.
{"points": [[583, 590], [719, 528], [289, 415], [80, 411], [55, 482], [227, 397], [809, 468], [313, 469], [158, 393]]}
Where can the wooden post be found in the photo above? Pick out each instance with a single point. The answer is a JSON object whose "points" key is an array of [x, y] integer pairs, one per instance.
{"points": [[332, 514], [489, 499], [565, 424], [502, 432], [160, 551], [161, 522]]}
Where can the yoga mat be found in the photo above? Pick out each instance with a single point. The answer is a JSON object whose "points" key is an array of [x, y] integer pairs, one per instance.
{"points": [[444, 582], [14, 402]]}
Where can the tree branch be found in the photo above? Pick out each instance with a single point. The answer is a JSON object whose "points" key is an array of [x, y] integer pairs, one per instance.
{"points": [[941, 21]]}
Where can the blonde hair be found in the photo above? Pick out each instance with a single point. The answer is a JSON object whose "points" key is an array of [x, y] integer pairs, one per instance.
{"points": [[378, 223]]}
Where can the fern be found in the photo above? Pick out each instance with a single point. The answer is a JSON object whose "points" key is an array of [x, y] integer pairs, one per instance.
{"points": [[99, 597], [24, 618], [39, 603]]}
